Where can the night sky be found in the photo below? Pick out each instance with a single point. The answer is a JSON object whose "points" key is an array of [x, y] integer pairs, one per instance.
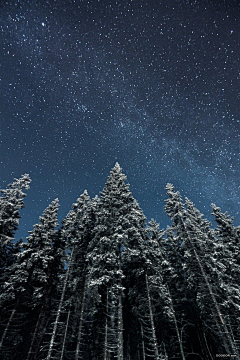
{"points": [[151, 84]]}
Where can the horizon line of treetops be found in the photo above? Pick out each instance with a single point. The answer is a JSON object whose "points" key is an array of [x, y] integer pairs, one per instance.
{"points": [[108, 285]]}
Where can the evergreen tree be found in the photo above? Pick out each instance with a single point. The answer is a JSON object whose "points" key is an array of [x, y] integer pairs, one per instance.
{"points": [[156, 292], [204, 247], [11, 202], [45, 254], [77, 227], [175, 275], [158, 251], [227, 260], [105, 265], [107, 286], [32, 282], [200, 267], [192, 234]]}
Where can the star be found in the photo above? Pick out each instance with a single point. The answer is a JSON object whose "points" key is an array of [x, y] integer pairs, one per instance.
{"points": [[152, 86]]}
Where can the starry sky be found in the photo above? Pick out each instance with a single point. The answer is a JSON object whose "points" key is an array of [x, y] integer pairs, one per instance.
{"points": [[151, 84]]}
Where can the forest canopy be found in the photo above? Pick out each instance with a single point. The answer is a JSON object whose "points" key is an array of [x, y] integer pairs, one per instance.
{"points": [[105, 283]]}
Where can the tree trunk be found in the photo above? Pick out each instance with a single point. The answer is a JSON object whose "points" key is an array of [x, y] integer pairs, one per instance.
{"points": [[233, 349], [79, 339], [176, 326], [143, 344], [37, 336], [60, 307], [154, 338], [120, 328], [8, 325], [65, 336], [217, 309], [106, 331], [120, 316], [206, 344]]}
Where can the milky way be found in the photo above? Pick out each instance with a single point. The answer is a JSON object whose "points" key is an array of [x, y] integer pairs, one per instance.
{"points": [[153, 85]]}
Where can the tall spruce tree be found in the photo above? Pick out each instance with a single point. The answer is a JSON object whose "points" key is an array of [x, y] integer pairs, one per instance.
{"points": [[157, 250], [157, 297], [107, 286], [194, 244], [105, 265], [204, 247], [200, 267], [175, 276], [77, 228], [135, 285], [227, 260], [33, 281], [11, 202]]}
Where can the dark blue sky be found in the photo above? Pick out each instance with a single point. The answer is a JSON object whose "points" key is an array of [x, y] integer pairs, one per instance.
{"points": [[153, 85]]}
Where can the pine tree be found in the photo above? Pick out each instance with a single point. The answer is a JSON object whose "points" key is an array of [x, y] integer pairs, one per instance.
{"points": [[67, 338], [138, 308], [193, 239], [11, 202], [33, 280], [175, 275], [105, 265], [107, 286], [156, 301], [161, 271], [198, 248], [79, 230], [227, 260], [202, 244]]}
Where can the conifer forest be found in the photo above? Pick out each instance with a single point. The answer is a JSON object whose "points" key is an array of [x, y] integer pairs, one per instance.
{"points": [[104, 284]]}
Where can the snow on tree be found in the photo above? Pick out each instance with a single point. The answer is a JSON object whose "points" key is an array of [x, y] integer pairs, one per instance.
{"points": [[77, 227], [227, 261], [11, 202], [105, 285], [105, 263], [192, 234], [33, 279]]}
